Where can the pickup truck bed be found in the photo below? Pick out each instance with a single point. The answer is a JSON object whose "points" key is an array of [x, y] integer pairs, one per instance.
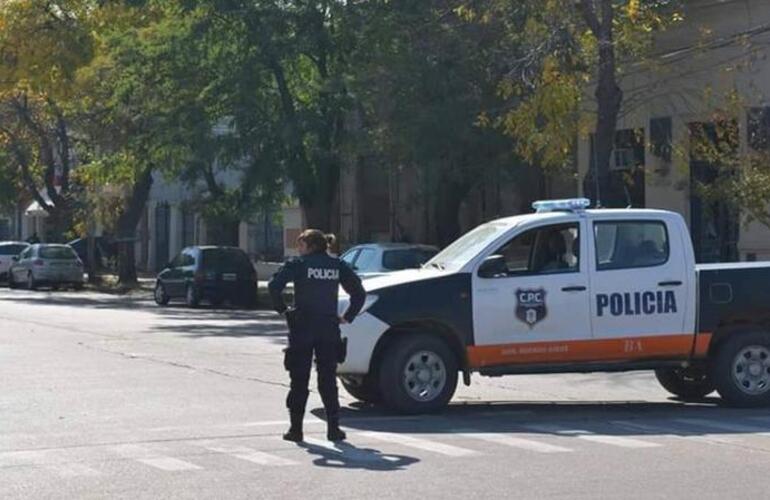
{"points": [[732, 295]]}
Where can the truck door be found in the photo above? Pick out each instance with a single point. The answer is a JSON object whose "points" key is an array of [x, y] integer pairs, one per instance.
{"points": [[538, 301], [639, 287]]}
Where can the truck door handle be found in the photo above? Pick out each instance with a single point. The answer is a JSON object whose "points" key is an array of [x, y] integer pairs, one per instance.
{"points": [[573, 289], [670, 283]]}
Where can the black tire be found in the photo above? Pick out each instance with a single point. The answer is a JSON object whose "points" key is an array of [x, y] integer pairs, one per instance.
{"points": [[31, 284], [55, 288], [687, 384], [160, 295], [191, 297], [365, 391], [396, 362], [78, 287], [731, 365], [11, 283], [217, 302]]}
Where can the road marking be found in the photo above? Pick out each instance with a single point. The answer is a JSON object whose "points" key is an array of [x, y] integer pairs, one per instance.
{"points": [[248, 454], [73, 470], [517, 442], [153, 459], [421, 444], [623, 442], [725, 426], [349, 452]]}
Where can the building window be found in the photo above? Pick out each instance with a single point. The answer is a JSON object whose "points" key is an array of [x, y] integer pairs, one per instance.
{"points": [[758, 128], [661, 138]]}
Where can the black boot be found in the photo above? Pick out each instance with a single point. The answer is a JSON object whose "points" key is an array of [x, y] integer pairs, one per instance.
{"points": [[295, 431], [333, 431]]}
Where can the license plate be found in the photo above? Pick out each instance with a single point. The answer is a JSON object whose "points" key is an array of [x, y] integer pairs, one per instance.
{"points": [[229, 276]]}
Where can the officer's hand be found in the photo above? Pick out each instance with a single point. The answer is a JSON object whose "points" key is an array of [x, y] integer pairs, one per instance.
{"points": [[343, 321]]}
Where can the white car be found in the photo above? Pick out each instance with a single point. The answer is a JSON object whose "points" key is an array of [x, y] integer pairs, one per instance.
{"points": [[376, 259], [9, 250], [565, 289], [47, 265]]}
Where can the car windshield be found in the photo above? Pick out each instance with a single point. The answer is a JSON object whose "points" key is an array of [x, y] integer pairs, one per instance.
{"points": [[468, 246], [59, 253], [226, 260], [12, 249], [408, 258]]}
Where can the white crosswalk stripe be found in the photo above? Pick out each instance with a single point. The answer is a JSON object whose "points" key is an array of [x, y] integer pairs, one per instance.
{"points": [[248, 454], [608, 439], [421, 444], [154, 459], [517, 442]]}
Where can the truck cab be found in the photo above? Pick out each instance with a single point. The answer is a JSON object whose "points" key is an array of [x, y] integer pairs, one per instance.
{"points": [[564, 289]]}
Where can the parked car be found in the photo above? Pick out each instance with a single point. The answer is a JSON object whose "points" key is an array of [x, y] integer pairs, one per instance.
{"points": [[46, 265], [213, 274], [9, 250], [375, 259], [105, 249]]}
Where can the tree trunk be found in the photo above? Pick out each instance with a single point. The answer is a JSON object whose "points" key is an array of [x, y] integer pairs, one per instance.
{"points": [[609, 98], [318, 215], [448, 201], [126, 227]]}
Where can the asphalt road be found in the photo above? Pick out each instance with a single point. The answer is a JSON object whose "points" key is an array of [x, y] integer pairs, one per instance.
{"points": [[110, 397]]}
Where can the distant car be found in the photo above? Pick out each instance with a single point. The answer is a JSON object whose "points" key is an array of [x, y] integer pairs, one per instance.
{"points": [[213, 274], [9, 250], [46, 265], [375, 259], [106, 250]]}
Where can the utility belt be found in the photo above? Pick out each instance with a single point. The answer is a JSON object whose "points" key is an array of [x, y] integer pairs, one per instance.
{"points": [[305, 328]]}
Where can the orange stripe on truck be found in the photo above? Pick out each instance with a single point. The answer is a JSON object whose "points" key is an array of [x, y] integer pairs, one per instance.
{"points": [[620, 349]]}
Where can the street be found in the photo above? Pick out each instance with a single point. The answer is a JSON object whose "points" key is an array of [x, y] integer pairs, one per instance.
{"points": [[113, 397]]}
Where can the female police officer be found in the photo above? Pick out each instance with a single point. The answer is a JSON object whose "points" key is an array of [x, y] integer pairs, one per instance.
{"points": [[314, 326]]}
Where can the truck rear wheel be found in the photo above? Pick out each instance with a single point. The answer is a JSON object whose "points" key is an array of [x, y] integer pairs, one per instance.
{"points": [[688, 384], [365, 390], [418, 374], [741, 370]]}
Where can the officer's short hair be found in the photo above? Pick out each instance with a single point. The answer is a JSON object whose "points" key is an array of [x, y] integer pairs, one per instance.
{"points": [[316, 240]]}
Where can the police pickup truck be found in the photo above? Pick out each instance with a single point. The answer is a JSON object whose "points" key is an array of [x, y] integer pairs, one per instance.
{"points": [[564, 289]]}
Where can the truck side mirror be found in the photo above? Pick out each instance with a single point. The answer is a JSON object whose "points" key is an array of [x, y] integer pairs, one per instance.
{"points": [[493, 266]]}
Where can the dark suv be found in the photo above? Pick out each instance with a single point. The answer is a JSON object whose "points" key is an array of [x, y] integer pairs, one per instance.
{"points": [[214, 274]]}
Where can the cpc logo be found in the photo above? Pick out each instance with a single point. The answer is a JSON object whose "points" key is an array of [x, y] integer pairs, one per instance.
{"points": [[530, 306]]}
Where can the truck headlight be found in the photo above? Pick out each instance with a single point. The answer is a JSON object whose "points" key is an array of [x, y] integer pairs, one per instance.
{"points": [[344, 302]]}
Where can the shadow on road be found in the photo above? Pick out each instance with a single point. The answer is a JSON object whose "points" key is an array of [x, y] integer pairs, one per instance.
{"points": [[347, 456], [205, 321], [620, 418]]}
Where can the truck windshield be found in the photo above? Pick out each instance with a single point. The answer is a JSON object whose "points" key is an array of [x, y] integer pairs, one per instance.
{"points": [[468, 246]]}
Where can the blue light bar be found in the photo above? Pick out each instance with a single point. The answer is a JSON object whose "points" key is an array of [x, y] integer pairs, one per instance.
{"points": [[568, 205]]}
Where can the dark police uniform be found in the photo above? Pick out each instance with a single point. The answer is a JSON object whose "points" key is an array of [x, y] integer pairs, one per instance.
{"points": [[314, 326]]}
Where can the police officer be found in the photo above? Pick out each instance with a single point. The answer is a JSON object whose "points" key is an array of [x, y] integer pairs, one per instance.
{"points": [[314, 326]]}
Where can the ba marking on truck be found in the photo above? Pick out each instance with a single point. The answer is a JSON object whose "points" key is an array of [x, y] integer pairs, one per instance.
{"points": [[636, 303]]}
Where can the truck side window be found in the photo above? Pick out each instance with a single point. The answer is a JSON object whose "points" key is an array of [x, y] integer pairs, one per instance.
{"points": [[543, 250], [630, 244]]}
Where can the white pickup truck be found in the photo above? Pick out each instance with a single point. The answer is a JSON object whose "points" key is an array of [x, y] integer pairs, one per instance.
{"points": [[564, 289]]}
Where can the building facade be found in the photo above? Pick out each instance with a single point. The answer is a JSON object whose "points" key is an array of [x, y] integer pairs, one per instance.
{"points": [[712, 65]]}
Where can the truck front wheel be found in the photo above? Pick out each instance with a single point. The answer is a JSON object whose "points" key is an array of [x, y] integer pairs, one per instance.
{"points": [[741, 370], [418, 374], [364, 390], [689, 384]]}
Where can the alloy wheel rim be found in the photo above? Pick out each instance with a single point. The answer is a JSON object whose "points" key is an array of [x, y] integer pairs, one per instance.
{"points": [[424, 376], [751, 370]]}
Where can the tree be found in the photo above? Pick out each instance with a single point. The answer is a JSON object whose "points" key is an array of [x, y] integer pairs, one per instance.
{"points": [[566, 48], [425, 72], [42, 45]]}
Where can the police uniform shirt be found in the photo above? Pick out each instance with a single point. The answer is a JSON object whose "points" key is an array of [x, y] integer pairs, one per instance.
{"points": [[316, 279]]}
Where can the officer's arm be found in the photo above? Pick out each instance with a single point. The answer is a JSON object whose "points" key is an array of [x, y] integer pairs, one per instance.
{"points": [[351, 283], [277, 284]]}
